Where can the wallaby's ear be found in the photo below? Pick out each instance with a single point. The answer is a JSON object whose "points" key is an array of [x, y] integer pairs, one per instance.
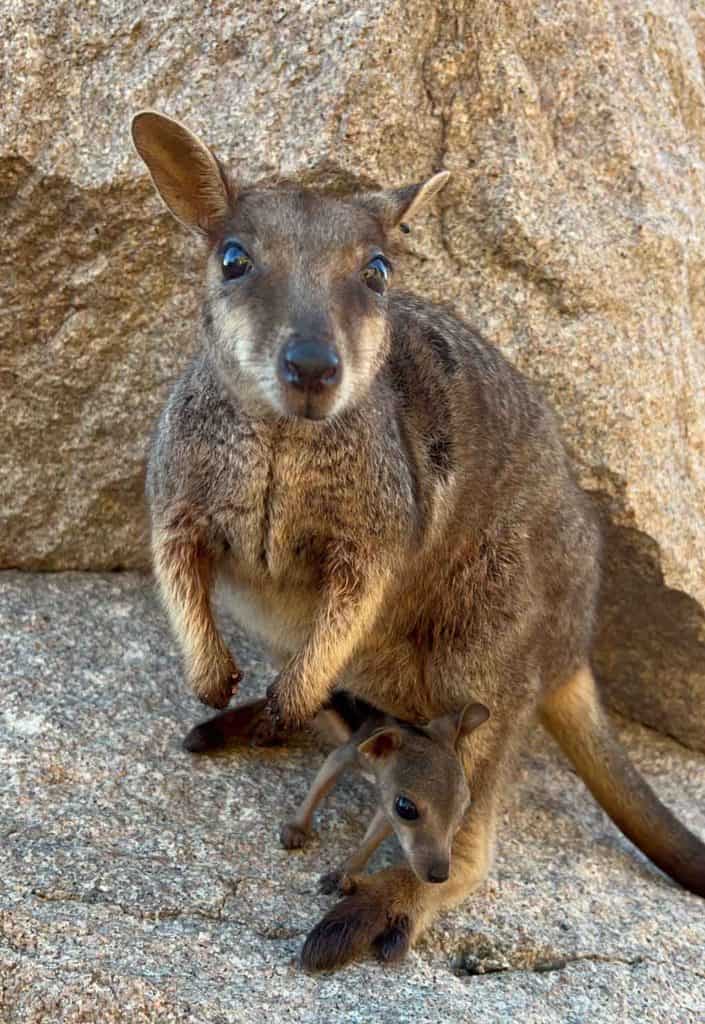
{"points": [[381, 743], [396, 205], [185, 173], [450, 729]]}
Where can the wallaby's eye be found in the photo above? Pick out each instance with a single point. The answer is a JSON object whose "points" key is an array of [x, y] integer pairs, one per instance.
{"points": [[406, 808], [376, 274], [236, 262]]}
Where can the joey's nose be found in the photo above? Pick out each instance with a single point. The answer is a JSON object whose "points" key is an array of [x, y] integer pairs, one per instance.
{"points": [[309, 365], [439, 872]]}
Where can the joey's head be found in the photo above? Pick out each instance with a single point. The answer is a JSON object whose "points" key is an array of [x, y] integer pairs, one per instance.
{"points": [[422, 785], [295, 308]]}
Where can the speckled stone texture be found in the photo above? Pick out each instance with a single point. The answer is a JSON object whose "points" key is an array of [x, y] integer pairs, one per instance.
{"points": [[572, 233], [142, 884]]}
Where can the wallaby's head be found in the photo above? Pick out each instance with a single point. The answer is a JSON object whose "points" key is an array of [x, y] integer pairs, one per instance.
{"points": [[295, 311], [422, 785]]}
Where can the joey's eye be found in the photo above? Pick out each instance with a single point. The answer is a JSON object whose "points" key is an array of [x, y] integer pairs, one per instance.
{"points": [[406, 808], [236, 262], [376, 274]]}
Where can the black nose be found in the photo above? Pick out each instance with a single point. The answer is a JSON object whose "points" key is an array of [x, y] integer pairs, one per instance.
{"points": [[309, 365], [438, 873]]}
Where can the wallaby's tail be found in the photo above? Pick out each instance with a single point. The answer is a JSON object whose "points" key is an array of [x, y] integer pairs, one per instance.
{"points": [[575, 717]]}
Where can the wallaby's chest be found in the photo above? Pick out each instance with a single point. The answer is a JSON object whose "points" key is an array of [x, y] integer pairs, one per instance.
{"points": [[283, 507], [280, 509]]}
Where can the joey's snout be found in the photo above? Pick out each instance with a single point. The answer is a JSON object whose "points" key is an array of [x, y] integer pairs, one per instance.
{"points": [[309, 371], [439, 871]]}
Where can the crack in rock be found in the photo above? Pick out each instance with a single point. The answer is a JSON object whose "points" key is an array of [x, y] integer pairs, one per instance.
{"points": [[93, 898], [487, 956]]}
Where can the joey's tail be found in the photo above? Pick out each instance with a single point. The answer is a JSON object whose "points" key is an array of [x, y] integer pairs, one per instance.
{"points": [[575, 717]]}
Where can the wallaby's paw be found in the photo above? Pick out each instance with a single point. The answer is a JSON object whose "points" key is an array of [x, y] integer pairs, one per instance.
{"points": [[214, 700], [217, 694], [337, 882], [293, 836], [233, 726], [366, 919]]}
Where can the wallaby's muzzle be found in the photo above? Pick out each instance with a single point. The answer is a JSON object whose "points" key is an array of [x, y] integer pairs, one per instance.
{"points": [[309, 372]]}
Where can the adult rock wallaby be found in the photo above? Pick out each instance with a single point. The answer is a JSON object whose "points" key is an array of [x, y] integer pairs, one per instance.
{"points": [[392, 506]]}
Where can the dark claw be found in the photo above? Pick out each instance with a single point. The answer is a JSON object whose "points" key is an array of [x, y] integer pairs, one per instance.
{"points": [[329, 883], [221, 697], [215, 702]]}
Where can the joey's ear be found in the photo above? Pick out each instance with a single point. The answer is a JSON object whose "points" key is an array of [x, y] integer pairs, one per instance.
{"points": [[185, 173], [472, 716], [450, 729], [395, 205], [381, 743]]}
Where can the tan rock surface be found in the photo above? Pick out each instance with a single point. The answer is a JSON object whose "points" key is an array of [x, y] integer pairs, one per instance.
{"points": [[572, 233]]}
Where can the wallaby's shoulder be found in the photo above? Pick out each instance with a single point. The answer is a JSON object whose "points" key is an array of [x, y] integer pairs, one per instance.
{"points": [[432, 343], [463, 404], [198, 401], [435, 326], [199, 429]]}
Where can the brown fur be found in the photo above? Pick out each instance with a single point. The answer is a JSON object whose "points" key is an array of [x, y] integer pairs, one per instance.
{"points": [[413, 533]]}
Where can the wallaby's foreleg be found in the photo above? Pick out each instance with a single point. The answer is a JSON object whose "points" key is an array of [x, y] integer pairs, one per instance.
{"points": [[575, 716], [349, 605], [294, 832], [184, 568], [340, 880], [389, 910]]}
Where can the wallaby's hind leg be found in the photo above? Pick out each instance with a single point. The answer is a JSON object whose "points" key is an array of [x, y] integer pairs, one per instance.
{"points": [[340, 880], [576, 718], [239, 725], [232, 726], [295, 832], [390, 909]]}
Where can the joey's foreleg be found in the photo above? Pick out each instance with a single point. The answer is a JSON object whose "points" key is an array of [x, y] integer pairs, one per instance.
{"points": [[341, 878], [295, 831], [185, 569]]}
